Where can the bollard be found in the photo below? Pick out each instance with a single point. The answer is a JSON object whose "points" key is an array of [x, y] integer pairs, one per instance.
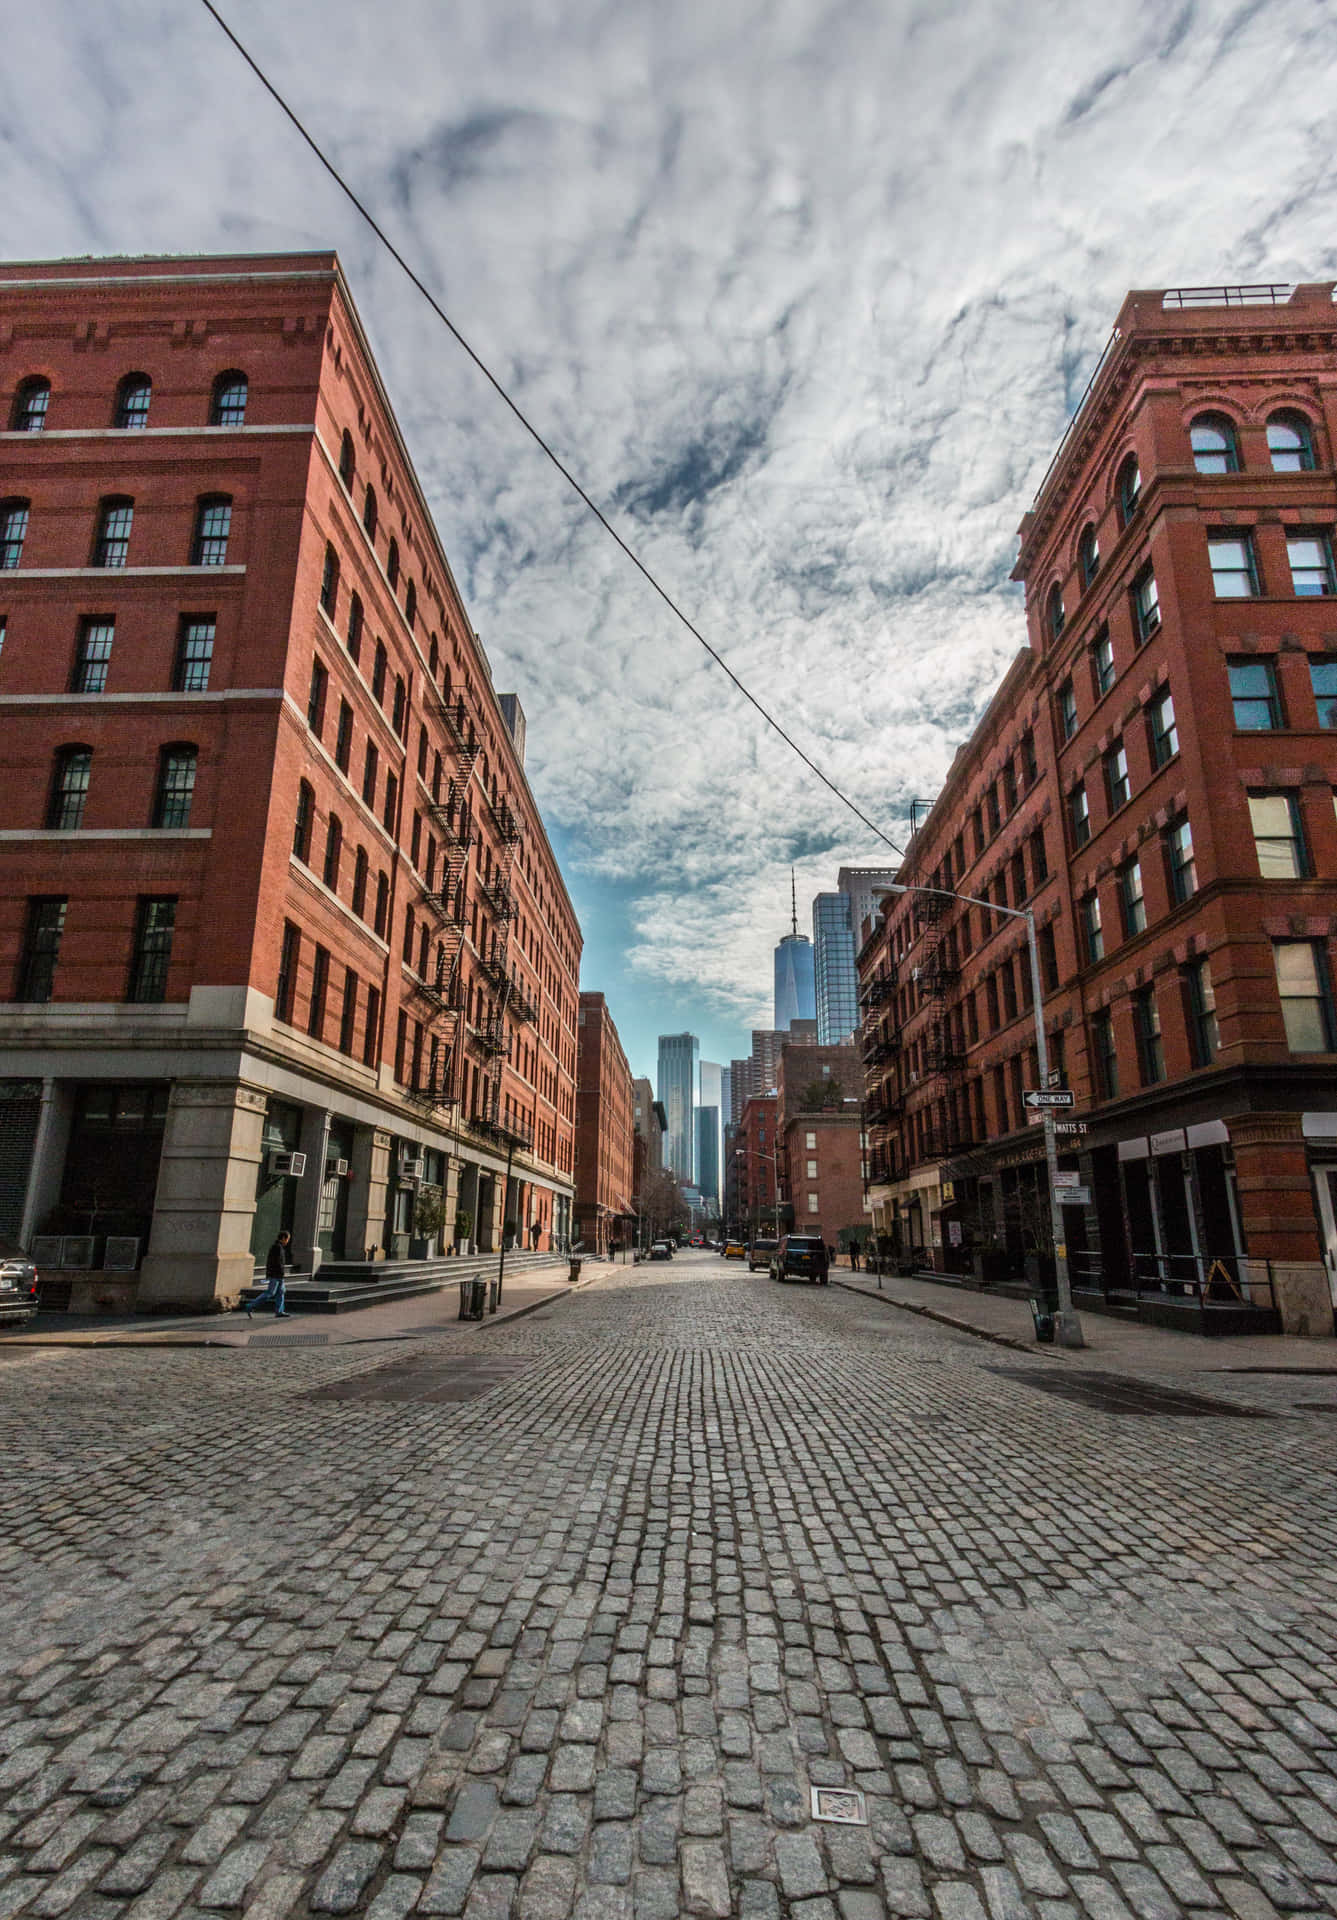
{"points": [[493, 1294]]}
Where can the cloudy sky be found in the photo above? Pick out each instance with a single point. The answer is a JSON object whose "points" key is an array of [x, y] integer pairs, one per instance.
{"points": [[804, 291]]}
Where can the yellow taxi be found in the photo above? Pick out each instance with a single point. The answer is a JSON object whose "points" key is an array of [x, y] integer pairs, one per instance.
{"points": [[735, 1250]]}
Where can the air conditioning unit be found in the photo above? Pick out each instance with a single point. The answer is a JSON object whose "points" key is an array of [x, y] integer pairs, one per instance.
{"points": [[412, 1169], [293, 1163], [336, 1169]]}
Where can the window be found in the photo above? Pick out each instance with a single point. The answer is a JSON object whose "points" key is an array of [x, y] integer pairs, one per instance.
{"points": [[1311, 565], [1147, 1027], [285, 993], [320, 986], [1129, 489], [13, 532], [30, 405], [329, 582], [1290, 443], [69, 788], [371, 1034], [1146, 603], [1049, 958], [111, 541], [369, 513], [400, 716], [194, 654], [1200, 1013], [1132, 905], [1278, 836], [315, 699], [1079, 816], [41, 949], [1306, 996], [176, 786], [228, 405], [348, 1016], [347, 462], [1254, 695], [406, 951], [1067, 710], [1088, 556], [1102, 662], [1234, 568], [382, 919], [354, 628], [812, 1203], [303, 822], [92, 656], [1215, 449], [1117, 785], [1054, 612], [1182, 863], [1162, 729], [391, 802], [360, 883], [213, 524], [132, 401], [343, 739], [155, 922], [1093, 934], [334, 847], [1323, 680], [1030, 771], [1039, 858], [392, 564], [1104, 1056], [378, 674], [411, 605], [370, 764]]}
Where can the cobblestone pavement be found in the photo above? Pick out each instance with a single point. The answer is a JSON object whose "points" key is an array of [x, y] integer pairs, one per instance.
{"points": [[568, 1617]]}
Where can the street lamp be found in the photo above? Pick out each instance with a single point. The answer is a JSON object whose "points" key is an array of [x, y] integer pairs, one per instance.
{"points": [[741, 1153], [1067, 1324]]}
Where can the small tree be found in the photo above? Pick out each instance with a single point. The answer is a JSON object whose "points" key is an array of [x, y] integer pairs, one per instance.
{"points": [[428, 1213]]}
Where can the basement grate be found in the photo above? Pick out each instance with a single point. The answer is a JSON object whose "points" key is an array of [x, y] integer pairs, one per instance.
{"points": [[1112, 1393], [437, 1382], [289, 1340]]}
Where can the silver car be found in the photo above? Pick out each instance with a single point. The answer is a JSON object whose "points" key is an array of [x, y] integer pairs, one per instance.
{"points": [[18, 1286]]}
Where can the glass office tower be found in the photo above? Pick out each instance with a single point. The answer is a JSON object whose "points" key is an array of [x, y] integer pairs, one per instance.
{"points": [[679, 1062]]}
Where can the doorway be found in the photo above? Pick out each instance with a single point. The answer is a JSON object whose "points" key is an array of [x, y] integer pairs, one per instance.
{"points": [[1325, 1187]]}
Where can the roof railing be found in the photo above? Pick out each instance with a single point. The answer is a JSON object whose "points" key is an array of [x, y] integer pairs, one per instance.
{"points": [[1261, 293]]}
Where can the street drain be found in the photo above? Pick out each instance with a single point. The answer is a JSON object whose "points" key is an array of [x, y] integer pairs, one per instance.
{"points": [[289, 1340], [1111, 1393], [439, 1382]]}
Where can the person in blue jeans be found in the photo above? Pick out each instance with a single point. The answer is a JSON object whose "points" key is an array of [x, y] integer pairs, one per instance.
{"points": [[276, 1266]]}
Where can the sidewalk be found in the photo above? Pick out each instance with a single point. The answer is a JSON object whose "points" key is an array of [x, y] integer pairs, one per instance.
{"points": [[1110, 1344], [386, 1320]]}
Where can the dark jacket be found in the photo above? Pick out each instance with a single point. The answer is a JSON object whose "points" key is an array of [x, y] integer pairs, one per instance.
{"points": [[276, 1261]]}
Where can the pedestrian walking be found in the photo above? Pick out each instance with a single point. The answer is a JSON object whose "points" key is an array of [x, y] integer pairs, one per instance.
{"points": [[854, 1256], [276, 1266]]}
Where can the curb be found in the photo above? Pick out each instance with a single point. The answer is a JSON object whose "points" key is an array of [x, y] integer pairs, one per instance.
{"points": [[957, 1326]]}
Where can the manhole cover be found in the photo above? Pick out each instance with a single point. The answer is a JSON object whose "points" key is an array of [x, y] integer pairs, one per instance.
{"points": [[441, 1382], [289, 1340], [1111, 1393], [843, 1805]]}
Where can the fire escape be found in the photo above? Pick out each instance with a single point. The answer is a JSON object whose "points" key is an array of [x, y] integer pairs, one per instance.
{"points": [[492, 1036], [942, 1047], [880, 1046], [444, 901]]}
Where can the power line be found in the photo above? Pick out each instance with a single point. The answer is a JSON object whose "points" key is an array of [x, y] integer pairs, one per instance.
{"points": [[538, 438]]}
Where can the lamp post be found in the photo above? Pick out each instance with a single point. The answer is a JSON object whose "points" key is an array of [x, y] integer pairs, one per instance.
{"points": [[1067, 1324], [741, 1153]]}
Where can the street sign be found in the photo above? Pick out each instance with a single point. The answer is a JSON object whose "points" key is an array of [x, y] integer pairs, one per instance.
{"points": [[1057, 1097], [1074, 1196], [1071, 1126], [1062, 1179], [1054, 1078]]}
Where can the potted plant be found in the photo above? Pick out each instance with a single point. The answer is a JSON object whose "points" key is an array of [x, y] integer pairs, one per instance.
{"points": [[428, 1213], [464, 1222]]}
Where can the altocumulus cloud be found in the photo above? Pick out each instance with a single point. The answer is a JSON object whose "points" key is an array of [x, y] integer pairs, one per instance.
{"points": [[804, 291]]}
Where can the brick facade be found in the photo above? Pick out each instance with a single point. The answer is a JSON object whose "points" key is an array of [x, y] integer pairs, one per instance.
{"points": [[605, 1131]]}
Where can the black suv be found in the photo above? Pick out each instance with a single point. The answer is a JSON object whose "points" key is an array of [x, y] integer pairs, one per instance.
{"points": [[801, 1256]]}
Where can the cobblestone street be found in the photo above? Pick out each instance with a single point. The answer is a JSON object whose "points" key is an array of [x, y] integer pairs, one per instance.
{"points": [[569, 1616]]}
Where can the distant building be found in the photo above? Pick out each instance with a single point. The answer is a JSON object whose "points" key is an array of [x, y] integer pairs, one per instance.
{"points": [[740, 1086], [819, 1124], [795, 997], [679, 1058], [605, 1131], [649, 1121], [836, 938], [755, 1163], [710, 1096], [708, 1154]]}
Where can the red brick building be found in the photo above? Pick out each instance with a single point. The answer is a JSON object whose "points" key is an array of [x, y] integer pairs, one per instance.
{"points": [[605, 1131], [276, 894], [1155, 780], [756, 1160], [820, 1128]]}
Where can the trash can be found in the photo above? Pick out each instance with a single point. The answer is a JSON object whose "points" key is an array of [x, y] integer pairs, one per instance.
{"points": [[574, 1273], [473, 1298], [1044, 1321]]}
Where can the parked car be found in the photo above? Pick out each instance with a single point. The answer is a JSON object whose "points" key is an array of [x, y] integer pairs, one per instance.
{"points": [[802, 1256], [735, 1250], [18, 1286], [661, 1250], [760, 1254]]}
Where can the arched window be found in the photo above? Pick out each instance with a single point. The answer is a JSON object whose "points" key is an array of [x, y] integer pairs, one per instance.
{"points": [[1290, 441], [176, 784], [355, 628], [347, 463], [213, 525], [13, 532], [30, 405], [411, 605], [1215, 448], [1088, 556], [132, 401], [1054, 615], [392, 564], [306, 813], [400, 719], [434, 657], [69, 788], [111, 542], [334, 847], [369, 512], [378, 673], [360, 883], [228, 405], [382, 904], [329, 581], [1129, 489]]}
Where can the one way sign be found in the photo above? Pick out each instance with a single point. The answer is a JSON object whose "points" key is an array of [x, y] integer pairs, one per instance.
{"points": [[1059, 1097]]}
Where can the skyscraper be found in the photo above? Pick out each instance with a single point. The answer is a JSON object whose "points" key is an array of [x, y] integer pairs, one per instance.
{"points": [[708, 1155], [679, 1054], [794, 997], [836, 920]]}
